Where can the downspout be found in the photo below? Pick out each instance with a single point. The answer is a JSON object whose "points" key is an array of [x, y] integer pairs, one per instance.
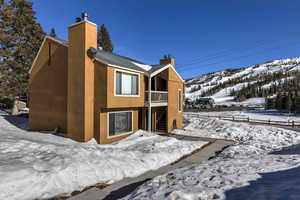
{"points": [[149, 103]]}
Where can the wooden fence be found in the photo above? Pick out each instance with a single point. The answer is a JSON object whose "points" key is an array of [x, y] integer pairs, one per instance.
{"points": [[291, 123]]}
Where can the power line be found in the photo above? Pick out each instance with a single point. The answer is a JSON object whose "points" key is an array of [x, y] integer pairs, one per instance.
{"points": [[233, 49], [228, 52], [236, 58]]}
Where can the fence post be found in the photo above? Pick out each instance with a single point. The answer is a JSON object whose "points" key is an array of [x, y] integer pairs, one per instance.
{"points": [[293, 124], [269, 121], [248, 119], [232, 118]]}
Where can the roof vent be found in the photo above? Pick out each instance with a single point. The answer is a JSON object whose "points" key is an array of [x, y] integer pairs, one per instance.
{"points": [[84, 16]]}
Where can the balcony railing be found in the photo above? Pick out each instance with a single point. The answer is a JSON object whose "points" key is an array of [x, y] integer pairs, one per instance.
{"points": [[157, 96]]}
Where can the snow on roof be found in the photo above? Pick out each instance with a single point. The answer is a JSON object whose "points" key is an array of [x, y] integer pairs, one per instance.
{"points": [[143, 66], [115, 60], [122, 61]]}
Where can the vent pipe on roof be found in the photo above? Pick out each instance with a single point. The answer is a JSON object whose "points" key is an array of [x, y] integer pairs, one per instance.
{"points": [[84, 16]]}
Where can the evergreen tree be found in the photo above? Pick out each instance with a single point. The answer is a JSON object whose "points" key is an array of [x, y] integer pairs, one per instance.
{"points": [[103, 39], [52, 33], [20, 39]]}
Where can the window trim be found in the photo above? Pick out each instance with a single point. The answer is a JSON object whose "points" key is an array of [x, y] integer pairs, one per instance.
{"points": [[115, 84], [179, 105], [122, 134]]}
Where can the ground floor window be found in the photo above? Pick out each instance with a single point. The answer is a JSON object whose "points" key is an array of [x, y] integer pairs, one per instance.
{"points": [[120, 122]]}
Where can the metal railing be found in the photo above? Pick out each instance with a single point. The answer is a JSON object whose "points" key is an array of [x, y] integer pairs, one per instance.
{"points": [[157, 96]]}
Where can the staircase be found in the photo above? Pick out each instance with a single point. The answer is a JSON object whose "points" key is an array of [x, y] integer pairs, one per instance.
{"points": [[161, 123]]}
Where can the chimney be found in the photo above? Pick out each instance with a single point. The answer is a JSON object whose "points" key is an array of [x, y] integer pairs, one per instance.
{"points": [[82, 36], [167, 60]]}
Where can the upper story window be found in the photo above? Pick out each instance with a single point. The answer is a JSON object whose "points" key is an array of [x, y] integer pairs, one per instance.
{"points": [[127, 83]]}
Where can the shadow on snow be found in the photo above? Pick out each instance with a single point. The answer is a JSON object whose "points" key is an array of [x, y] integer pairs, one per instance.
{"points": [[280, 185]]}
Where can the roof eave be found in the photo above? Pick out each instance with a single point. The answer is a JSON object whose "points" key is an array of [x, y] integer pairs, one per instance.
{"points": [[44, 40], [164, 68], [118, 66]]}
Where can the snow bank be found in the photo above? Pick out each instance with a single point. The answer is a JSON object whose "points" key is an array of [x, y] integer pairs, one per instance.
{"points": [[273, 115], [36, 165], [256, 101], [230, 100], [233, 168]]}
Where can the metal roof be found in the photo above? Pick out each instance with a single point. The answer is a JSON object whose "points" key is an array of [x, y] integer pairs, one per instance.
{"points": [[122, 61]]}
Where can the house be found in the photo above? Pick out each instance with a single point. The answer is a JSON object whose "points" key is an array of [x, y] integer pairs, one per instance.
{"points": [[89, 93]]}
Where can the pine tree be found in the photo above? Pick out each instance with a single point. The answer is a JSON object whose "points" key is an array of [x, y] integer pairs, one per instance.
{"points": [[103, 39], [52, 33], [20, 39]]}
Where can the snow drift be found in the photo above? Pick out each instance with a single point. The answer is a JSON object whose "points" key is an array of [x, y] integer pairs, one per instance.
{"points": [[233, 168], [36, 165]]}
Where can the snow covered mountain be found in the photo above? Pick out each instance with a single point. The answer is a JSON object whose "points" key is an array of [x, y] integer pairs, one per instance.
{"points": [[222, 86]]}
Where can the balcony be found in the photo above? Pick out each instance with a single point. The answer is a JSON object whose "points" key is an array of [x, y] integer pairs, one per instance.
{"points": [[158, 98]]}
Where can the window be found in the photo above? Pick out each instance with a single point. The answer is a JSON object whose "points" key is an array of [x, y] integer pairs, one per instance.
{"points": [[179, 100], [126, 83], [120, 123]]}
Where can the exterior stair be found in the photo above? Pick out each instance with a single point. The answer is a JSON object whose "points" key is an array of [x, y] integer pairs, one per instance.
{"points": [[161, 124]]}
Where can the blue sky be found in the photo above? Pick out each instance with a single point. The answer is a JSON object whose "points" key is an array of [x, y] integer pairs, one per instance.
{"points": [[202, 36]]}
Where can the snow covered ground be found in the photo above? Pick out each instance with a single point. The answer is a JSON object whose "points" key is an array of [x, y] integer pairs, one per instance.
{"points": [[196, 87], [38, 165], [273, 115], [230, 100], [233, 168]]}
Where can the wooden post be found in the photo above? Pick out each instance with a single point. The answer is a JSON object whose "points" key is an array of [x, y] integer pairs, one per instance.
{"points": [[269, 121], [149, 106], [232, 118], [293, 123], [248, 119]]}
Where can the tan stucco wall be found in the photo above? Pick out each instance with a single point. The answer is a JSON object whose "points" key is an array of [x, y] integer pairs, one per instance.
{"points": [[103, 134], [100, 91], [106, 101], [174, 84], [82, 36], [121, 101], [48, 89]]}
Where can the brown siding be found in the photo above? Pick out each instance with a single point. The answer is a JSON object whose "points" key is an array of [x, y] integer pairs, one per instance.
{"points": [[105, 102], [100, 95], [48, 89], [123, 102], [104, 139], [82, 36], [174, 84]]}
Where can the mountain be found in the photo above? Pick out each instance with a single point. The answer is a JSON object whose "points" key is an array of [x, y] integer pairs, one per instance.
{"points": [[247, 83]]}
